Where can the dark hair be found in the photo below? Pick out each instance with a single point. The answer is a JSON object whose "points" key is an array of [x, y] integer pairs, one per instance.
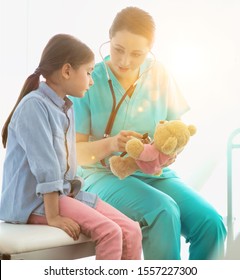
{"points": [[60, 49], [134, 20]]}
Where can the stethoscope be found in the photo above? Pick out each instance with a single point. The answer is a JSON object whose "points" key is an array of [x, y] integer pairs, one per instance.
{"points": [[115, 107]]}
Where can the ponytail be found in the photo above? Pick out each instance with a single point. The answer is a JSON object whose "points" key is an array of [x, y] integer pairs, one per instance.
{"points": [[31, 83], [60, 49]]}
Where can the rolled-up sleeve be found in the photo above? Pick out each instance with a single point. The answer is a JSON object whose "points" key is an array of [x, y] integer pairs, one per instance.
{"points": [[35, 135], [48, 187]]}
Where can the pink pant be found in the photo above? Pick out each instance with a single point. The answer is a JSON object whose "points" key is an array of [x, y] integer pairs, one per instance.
{"points": [[117, 237]]}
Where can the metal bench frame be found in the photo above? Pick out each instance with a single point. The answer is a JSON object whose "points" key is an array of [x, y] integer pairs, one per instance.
{"points": [[231, 146]]}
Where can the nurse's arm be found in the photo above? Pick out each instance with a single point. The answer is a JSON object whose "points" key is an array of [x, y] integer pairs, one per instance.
{"points": [[92, 152]]}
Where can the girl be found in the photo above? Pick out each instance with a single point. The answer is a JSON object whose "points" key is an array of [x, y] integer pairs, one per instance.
{"points": [[39, 183]]}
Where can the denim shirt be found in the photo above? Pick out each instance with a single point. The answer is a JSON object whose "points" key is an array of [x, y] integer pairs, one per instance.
{"points": [[40, 154]]}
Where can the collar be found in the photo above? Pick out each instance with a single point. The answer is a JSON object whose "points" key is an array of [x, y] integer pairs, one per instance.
{"points": [[64, 104]]}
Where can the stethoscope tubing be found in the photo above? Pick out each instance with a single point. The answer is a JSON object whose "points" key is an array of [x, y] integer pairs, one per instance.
{"points": [[115, 106]]}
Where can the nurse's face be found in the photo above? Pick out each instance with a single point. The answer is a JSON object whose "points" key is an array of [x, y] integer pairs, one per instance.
{"points": [[128, 51]]}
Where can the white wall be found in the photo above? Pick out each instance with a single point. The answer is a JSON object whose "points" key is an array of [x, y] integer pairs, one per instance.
{"points": [[198, 40]]}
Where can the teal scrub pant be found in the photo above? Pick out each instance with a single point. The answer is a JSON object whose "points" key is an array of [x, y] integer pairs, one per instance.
{"points": [[165, 210]]}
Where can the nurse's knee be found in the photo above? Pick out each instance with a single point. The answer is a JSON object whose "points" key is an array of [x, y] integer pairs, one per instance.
{"points": [[167, 212], [171, 212], [215, 225]]}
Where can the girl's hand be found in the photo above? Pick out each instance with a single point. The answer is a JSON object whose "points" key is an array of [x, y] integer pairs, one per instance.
{"points": [[119, 141], [68, 225]]}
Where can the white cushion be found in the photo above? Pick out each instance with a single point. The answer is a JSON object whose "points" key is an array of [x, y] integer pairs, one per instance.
{"points": [[18, 238]]}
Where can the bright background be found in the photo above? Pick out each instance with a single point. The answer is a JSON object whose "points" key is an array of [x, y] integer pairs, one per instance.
{"points": [[197, 40]]}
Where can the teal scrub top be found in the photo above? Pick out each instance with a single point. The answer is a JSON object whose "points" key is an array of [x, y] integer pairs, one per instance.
{"points": [[156, 97]]}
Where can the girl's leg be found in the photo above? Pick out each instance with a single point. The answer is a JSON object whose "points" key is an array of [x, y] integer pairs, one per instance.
{"points": [[132, 237], [156, 212], [202, 226], [106, 233]]}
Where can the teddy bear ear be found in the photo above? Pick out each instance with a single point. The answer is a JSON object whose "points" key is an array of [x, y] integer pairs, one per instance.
{"points": [[192, 129], [169, 146], [162, 121]]}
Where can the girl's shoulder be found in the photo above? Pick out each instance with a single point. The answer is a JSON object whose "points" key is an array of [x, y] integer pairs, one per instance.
{"points": [[33, 97], [32, 102]]}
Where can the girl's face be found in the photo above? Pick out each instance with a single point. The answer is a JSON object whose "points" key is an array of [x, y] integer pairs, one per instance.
{"points": [[80, 80], [128, 51]]}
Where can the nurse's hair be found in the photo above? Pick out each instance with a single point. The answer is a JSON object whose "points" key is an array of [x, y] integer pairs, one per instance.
{"points": [[60, 49], [136, 21]]}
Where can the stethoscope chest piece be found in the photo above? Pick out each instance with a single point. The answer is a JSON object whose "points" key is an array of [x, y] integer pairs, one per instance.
{"points": [[146, 139]]}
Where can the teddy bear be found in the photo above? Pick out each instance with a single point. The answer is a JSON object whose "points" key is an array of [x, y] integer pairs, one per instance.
{"points": [[170, 138]]}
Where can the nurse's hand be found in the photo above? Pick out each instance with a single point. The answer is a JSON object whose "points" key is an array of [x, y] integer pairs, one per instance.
{"points": [[119, 141], [170, 161]]}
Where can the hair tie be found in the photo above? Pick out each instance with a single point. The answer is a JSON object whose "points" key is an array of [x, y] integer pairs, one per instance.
{"points": [[37, 71]]}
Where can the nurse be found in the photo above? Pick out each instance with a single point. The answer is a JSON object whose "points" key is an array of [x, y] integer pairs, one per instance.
{"points": [[165, 207]]}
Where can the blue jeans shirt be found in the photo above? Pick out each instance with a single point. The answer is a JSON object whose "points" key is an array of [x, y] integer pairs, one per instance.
{"points": [[40, 154]]}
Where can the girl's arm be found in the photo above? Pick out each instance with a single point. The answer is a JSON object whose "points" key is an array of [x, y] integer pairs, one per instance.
{"points": [[51, 204], [92, 152]]}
